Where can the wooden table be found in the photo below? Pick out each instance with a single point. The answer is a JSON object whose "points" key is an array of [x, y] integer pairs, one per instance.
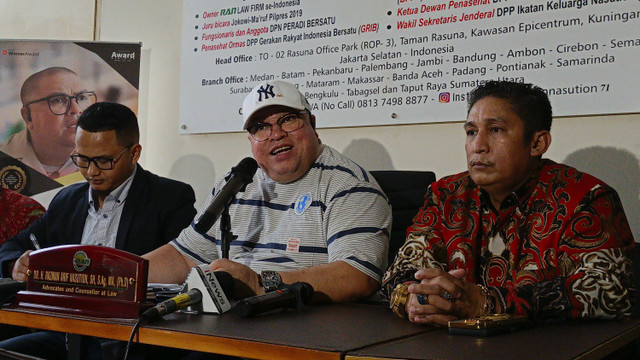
{"points": [[346, 331], [317, 332], [582, 340]]}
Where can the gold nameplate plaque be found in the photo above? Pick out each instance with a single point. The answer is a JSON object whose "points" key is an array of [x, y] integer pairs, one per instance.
{"points": [[86, 280]]}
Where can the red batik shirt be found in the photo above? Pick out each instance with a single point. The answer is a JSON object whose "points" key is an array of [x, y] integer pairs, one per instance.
{"points": [[17, 212], [560, 246]]}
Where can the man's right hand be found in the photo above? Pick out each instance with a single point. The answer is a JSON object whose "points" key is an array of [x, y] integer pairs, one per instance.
{"points": [[246, 281], [20, 267]]}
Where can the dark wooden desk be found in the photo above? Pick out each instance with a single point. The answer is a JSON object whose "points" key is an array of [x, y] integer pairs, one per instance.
{"points": [[317, 332], [571, 340], [348, 331]]}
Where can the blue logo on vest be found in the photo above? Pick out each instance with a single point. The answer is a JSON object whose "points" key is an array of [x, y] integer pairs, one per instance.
{"points": [[303, 203]]}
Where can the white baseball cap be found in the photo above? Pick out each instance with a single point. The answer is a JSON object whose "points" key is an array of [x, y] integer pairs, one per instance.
{"points": [[269, 93]]}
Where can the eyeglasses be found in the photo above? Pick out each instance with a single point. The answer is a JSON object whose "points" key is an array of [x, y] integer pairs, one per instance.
{"points": [[287, 123], [59, 104], [101, 162]]}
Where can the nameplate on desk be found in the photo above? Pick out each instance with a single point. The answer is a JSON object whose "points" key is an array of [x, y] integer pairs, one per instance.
{"points": [[86, 280]]}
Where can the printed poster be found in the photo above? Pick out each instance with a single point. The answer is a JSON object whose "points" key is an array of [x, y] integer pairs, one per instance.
{"points": [[44, 87]]}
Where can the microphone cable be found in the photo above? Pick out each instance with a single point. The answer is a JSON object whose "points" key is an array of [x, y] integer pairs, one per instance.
{"points": [[135, 329], [150, 315]]}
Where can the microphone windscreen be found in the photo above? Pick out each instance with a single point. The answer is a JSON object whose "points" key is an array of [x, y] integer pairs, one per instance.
{"points": [[305, 290], [246, 168], [216, 287], [226, 282]]}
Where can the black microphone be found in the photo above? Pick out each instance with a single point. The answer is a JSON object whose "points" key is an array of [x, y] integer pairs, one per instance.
{"points": [[216, 288], [295, 295], [212, 287], [9, 288], [174, 304], [241, 175]]}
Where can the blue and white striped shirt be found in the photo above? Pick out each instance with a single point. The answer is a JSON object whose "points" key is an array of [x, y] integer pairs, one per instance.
{"points": [[336, 211]]}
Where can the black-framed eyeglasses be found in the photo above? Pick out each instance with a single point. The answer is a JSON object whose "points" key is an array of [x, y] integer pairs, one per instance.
{"points": [[59, 104], [287, 123], [101, 162]]}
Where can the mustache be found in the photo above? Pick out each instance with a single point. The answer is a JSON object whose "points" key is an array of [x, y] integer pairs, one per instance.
{"points": [[480, 161]]}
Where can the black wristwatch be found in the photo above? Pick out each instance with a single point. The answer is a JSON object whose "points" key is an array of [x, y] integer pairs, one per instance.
{"points": [[270, 280]]}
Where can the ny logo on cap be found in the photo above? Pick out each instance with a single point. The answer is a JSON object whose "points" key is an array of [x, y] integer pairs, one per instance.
{"points": [[266, 92]]}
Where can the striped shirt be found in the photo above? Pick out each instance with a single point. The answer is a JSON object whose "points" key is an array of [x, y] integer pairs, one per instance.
{"points": [[336, 211]]}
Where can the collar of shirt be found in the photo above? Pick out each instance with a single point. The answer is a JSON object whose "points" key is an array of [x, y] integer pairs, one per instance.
{"points": [[116, 197], [518, 198], [101, 225]]}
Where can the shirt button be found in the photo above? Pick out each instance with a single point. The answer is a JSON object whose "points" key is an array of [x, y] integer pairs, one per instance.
{"points": [[105, 216]]}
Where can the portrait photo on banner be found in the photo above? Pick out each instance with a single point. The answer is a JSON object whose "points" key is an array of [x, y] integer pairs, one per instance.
{"points": [[44, 87]]}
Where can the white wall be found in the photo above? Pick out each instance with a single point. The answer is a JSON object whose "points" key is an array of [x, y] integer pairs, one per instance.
{"points": [[51, 19], [606, 146]]}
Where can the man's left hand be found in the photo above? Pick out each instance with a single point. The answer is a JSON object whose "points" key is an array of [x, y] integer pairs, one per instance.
{"points": [[246, 281], [464, 298]]}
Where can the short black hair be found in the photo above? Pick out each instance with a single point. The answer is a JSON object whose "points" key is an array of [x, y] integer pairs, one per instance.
{"points": [[530, 102], [105, 116]]}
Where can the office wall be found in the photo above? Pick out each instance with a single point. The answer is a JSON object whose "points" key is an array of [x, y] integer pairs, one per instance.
{"points": [[51, 19], [606, 146]]}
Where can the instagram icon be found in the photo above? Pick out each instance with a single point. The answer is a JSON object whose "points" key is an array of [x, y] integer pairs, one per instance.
{"points": [[444, 97]]}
